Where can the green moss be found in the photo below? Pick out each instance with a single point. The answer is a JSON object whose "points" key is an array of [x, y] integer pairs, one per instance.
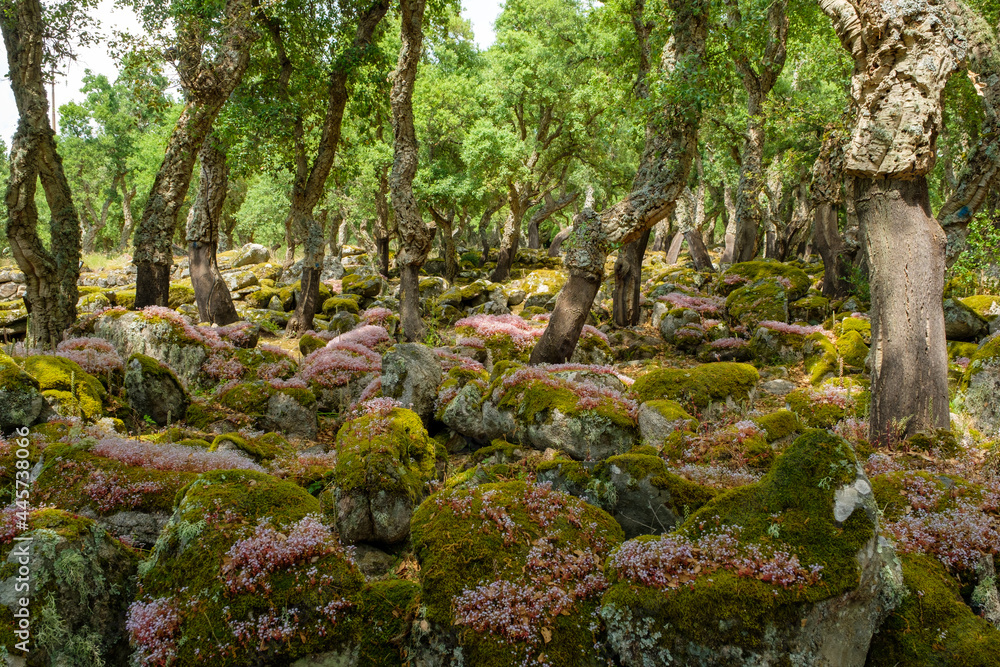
{"points": [[721, 608], [337, 304], [852, 349], [202, 415], [459, 549], [821, 357], [262, 297], [957, 348], [685, 495], [310, 343], [59, 374], [813, 413], [188, 562], [757, 302], [778, 425], [753, 271], [124, 298], [987, 356], [535, 401], [384, 611], [811, 308], [700, 385], [855, 324], [369, 286], [672, 411], [181, 293], [933, 627], [391, 453], [985, 305]]}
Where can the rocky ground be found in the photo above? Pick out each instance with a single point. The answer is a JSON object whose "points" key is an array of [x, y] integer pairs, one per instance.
{"points": [[698, 490]]}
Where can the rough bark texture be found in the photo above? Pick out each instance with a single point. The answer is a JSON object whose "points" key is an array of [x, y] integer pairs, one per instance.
{"points": [[671, 143], [981, 174], [215, 303], [520, 199], [310, 180], [207, 85], [904, 53], [415, 237], [826, 199], [51, 277], [628, 281], [555, 248], [758, 82], [909, 357], [446, 224], [381, 230]]}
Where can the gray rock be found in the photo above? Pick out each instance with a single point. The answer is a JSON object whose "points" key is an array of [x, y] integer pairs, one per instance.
{"points": [[237, 280], [962, 322], [464, 414], [21, 400], [581, 436], [153, 390], [373, 562], [778, 387], [655, 427], [291, 418], [411, 373], [671, 323], [333, 269], [135, 333], [349, 656], [252, 253], [640, 507], [382, 518], [140, 527]]}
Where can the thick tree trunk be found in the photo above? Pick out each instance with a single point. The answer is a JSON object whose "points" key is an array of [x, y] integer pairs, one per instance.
{"points": [[215, 303], [671, 144], [415, 237], [674, 250], [909, 358], [628, 282], [333, 234], [51, 276], [208, 85]]}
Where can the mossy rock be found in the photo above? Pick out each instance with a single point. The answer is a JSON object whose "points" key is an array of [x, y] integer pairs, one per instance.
{"points": [[699, 386], [292, 411], [124, 298], [62, 375], [262, 297], [220, 604], [856, 324], [762, 300], [181, 293], [337, 304], [366, 286], [958, 349], [91, 303], [474, 539], [310, 343], [814, 412], [779, 425], [812, 309], [852, 349], [21, 399], [933, 627], [82, 583], [985, 305], [822, 360], [383, 463], [152, 389], [749, 272], [262, 449], [276, 364], [725, 617]]}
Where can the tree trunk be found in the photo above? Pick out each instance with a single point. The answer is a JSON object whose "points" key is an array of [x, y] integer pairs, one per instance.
{"points": [[832, 249], [333, 234], [51, 277], [556, 247], [758, 83], [309, 184], [662, 233], [128, 194], [446, 224], [382, 232], [730, 235], [909, 357], [518, 202], [215, 303], [671, 144], [208, 84], [415, 237], [534, 243], [674, 250], [699, 252], [628, 282]]}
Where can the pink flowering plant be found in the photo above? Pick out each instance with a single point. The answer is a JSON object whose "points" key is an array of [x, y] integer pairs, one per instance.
{"points": [[252, 554], [505, 336], [538, 556], [533, 391]]}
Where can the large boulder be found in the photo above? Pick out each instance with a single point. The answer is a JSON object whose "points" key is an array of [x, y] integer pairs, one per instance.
{"points": [[980, 387], [82, 581], [385, 458], [511, 573], [251, 253], [720, 382], [70, 390], [21, 399], [162, 335], [153, 390], [288, 410], [789, 570], [962, 322], [795, 280], [760, 301], [411, 373], [245, 573]]}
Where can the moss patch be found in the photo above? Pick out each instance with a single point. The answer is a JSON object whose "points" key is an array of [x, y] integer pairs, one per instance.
{"points": [[700, 385]]}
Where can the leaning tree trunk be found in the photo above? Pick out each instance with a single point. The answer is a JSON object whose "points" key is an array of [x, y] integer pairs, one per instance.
{"points": [[903, 54], [309, 183], [511, 237], [50, 276], [909, 358], [555, 248], [215, 303], [128, 194], [208, 85], [415, 237], [671, 144]]}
